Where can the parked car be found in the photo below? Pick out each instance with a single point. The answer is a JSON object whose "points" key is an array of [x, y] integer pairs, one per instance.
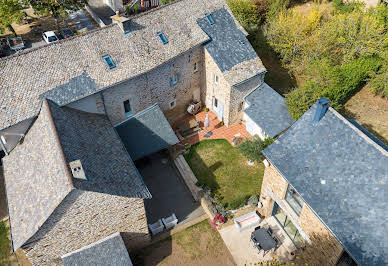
{"points": [[49, 37], [66, 33], [15, 43]]}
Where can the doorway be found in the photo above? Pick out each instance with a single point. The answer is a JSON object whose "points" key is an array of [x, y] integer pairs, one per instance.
{"points": [[218, 108]]}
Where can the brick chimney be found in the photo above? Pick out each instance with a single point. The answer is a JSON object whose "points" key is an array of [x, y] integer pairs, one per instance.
{"points": [[322, 106]]}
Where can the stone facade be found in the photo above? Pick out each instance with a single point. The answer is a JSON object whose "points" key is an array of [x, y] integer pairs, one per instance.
{"points": [[155, 87], [83, 218], [322, 248]]}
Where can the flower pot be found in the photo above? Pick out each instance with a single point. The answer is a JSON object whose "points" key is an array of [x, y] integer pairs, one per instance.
{"points": [[291, 256], [250, 163]]}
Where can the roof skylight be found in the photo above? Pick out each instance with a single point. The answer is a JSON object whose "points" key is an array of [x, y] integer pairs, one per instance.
{"points": [[210, 19], [163, 37], [109, 61]]}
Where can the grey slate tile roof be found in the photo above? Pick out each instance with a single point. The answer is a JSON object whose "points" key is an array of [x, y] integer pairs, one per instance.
{"points": [[229, 48], [146, 132], [92, 139], [36, 178], [268, 110], [26, 76], [108, 251], [343, 176]]}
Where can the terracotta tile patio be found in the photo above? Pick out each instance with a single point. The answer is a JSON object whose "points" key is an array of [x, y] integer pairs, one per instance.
{"points": [[219, 132]]}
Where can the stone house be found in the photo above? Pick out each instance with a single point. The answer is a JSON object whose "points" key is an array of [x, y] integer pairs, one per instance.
{"points": [[76, 113], [325, 183]]}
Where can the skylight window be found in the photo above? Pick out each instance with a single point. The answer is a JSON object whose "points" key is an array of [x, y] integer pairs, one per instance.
{"points": [[163, 37], [109, 61], [210, 19]]}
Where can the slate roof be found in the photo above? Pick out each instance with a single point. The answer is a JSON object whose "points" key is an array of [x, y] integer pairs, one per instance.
{"points": [[268, 110], [229, 48], [343, 176], [36, 179], [92, 139], [146, 132], [65, 66], [108, 251]]}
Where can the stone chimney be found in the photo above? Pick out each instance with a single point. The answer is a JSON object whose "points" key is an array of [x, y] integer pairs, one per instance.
{"points": [[322, 106], [123, 23]]}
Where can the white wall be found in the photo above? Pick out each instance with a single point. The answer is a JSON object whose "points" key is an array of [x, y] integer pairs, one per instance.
{"points": [[252, 127]]}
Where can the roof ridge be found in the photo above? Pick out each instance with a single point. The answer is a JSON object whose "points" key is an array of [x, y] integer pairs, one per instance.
{"points": [[154, 9], [358, 131], [46, 103]]}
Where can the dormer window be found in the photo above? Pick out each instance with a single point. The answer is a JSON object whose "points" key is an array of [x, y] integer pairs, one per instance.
{"points": [[127, 108], [210, 19], [109, 61], [163, 37]]}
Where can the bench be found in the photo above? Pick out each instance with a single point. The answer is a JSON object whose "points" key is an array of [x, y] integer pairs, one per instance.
{"points": [[247, 221]]}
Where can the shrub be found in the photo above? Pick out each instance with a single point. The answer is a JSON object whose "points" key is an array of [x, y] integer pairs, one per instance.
{"points": [[237, 203], [253, 200], [347, 7], [245, 12], [251, 148], [275, 7]]}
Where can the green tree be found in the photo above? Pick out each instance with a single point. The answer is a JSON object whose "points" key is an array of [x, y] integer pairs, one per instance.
{"points": [[10, 11], [245, 12], [251, 148], [56, 8]]}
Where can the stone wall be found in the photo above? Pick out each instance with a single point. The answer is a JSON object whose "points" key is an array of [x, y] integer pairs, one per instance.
{"points": [[83, 218], [323, 248], [221, 91], [154, 87]]}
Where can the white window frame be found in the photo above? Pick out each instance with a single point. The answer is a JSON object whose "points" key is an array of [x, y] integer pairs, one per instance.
{"points": [[195, 67], [3, 139], [172, 104], [174, 78], [216, 79]]}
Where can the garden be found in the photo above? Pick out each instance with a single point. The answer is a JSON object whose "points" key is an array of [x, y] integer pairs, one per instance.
{"points": [[225, 171]]}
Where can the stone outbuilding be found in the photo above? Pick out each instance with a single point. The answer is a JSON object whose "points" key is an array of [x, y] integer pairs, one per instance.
{"points": [[325, 184]]}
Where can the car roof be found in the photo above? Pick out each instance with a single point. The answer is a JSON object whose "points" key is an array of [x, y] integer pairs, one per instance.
{"points": [[50, 33]]}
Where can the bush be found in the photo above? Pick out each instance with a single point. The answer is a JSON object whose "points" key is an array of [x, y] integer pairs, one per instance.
{"points": [[275, 7], [245, 12], [253, 200], [251, 148], [348, 7], [237, 203]]}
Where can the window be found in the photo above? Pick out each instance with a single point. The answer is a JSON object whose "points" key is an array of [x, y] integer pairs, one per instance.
{"points": [[175, 78], [288, 226], [294, 200], [240, 106], [242, 41], [172, 104], [195, 67], [163, 37], [127, 108], [210, 19], [3, 140], [216, 80], [109, 61], [215, 102]]}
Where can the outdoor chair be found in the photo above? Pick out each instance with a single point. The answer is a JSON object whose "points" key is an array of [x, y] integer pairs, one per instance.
{"points": [[257, 228], [269, 230], [277, 241]]}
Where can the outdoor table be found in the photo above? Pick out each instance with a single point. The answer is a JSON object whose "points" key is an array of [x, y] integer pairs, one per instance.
{"points": [[264, 239]]}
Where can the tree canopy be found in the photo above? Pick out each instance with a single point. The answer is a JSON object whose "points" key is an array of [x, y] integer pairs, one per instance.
{"points": [[56, 7], [10, 11]]}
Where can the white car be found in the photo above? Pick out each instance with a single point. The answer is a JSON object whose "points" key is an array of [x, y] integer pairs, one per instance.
{"points": [[49, 37]]}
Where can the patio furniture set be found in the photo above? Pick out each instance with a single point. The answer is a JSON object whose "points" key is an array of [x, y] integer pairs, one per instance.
{"points": [[163, 224], [265, 239]]}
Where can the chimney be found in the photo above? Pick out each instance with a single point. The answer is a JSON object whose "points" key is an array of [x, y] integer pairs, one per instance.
{"points": [[123, 23], [322, 105]]}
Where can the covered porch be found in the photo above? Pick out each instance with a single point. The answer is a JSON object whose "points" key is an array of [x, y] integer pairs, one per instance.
{"points": [[244, 251]]}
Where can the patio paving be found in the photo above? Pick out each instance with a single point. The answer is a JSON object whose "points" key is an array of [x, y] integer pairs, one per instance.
{"points": [[219, 132], [243, 250]]}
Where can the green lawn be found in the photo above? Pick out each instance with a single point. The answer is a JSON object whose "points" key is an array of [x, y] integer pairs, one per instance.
{"points": [[5, 247], [220, 166]]}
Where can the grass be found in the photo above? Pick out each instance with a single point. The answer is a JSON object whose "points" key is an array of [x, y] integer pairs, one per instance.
{"points": [[199, 244], [220, 166], [5, 247]]}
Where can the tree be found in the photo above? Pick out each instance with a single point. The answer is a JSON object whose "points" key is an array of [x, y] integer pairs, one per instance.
{"points": [[56, 8], [251, 148], [10, 11], [245, 12]]}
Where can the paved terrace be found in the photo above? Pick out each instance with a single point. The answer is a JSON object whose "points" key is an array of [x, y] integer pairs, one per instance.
{"points": [[219, 132]]}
